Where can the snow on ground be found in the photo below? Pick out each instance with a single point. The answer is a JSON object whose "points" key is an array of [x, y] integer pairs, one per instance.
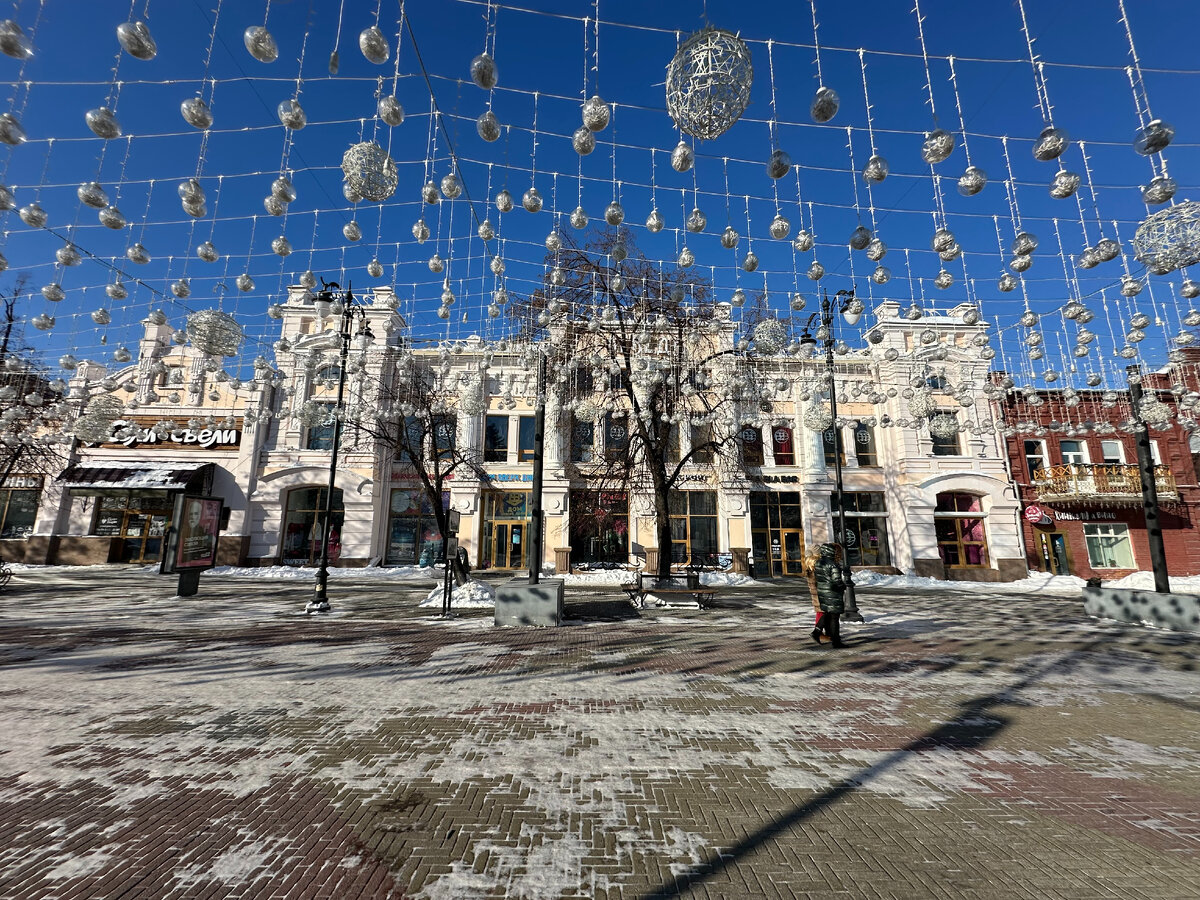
{"points": [[1037, 582], [471, 594]]}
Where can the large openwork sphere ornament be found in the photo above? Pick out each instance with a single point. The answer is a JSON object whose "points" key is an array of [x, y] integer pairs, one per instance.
{"points": [[369, 171], [1064, 185], [818, 418], [938, 145], [708, 83], [96, 423], [944, 425], [214, 332], [1169, 239], [1153, 138], [921, 405], [596, 114], [1160, 189], [484, 72], [196, 113], [136, 40], [260, 44], [824, 105], [770, 336], [875, 170], [779, 164], [1154, 412], [1051, 144], [972, 181]]}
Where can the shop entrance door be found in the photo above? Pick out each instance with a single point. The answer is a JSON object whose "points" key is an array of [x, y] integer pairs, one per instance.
{"points": [[793, 551], [143, 534], [1054, 551], [508, 545]]}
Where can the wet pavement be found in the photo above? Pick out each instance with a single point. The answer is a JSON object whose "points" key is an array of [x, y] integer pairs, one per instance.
{"points": [[964, 745]]}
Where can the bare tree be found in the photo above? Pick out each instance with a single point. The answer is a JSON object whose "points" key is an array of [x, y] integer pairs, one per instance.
{"points": [[643, 351]]}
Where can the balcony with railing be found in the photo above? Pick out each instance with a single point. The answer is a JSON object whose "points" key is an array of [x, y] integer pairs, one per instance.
{"points": [[1099, 484]]}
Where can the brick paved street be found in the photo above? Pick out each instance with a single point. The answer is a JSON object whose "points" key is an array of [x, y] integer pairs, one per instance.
{"points": [[966, 745]]}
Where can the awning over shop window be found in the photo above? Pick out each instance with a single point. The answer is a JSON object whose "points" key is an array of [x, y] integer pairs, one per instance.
{"points": [[149, 476]]}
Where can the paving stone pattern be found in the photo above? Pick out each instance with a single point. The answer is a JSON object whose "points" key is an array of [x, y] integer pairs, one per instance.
{"points": [[964, 745]]}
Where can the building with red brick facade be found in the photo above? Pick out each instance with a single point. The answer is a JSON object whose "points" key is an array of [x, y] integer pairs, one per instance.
{"points": [[1073, 458]]}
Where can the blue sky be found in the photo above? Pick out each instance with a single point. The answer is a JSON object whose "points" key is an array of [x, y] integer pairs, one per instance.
{"points": [[540, 50]]}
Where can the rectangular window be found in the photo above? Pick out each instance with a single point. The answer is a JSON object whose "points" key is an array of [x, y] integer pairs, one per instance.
{"points": [[672, 447], [831, 443], [525, 438], [320, 436], [583, 441], [865, 540], [1113, 452], [702, 451], [1154, 453], [864, 446], [1035, 458], [750, 441], [784, 449], [443, 437], [1074, 453], [599, 526], [584, 383], [495, 439], [18, 509], [693, 527], [616, 436], [946, 445], [1108, 546]]}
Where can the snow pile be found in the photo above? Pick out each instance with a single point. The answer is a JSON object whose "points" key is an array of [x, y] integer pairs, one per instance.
{"points": [[472, 594], [402, 573], [1144, 581], [728, 579], [599, 577], [1037, 582]]}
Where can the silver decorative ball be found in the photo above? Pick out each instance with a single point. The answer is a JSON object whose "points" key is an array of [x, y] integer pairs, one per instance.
{"points": [[583, 140], [13, 41], [207, 251], [136, 40], [738, 297], [619, 251], [614, 214], [116, 291], [485, 231], [1088, 258], [137, 254], [43, 322], [196, 210], [938, 145], [111, 217], [1051, 144], [1169, 239], [1024, 244], [53, 293], [913, 313], [1190, 290], [803, 241], [1020, 263], [972, 181], [1130, 286], [686, 258], [1064, 185], [196, 113], [951, 253], [875, 336], [824, 105], [484, 72], [596, 114], [291, 114], [1153, 138], [352, 232], [696, 221], [451, 186], [942, 239], [1160, 189], [554, 244], [729, 238], [101, 316], [368, 170], [429, 193], [181, 288], [260, 44], [11, 132], [487, 127], [750, 262], [532, 200], [392, 112], [1192, 319], [281, 246], [579, 219], [876, 170], [497, 265], [33, 215], [816, 271], [1029, 318], [971, 316], [103, 123], [274, 206], [374, 45], [307, 279], [921, 405], [244, 282], [682, 157], [780, 227], [860, 238], [504, 201], [558, 276], [779, 164], [214, 332], [943, 279], [375, 268], [891, 354], [708, 83], [770, 336], [282, 189], [1093, 380], [436, 263], [7, 201]]}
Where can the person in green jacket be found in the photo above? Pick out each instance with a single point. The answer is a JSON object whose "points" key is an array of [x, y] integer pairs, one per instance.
{"points": [[831, 594]]}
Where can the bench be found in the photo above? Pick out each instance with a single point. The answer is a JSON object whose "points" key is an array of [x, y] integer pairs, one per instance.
{"points": [[658, 586]]}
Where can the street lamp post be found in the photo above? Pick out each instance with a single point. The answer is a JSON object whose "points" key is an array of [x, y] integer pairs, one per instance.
{"points": [[1154, 535], [351, 311], [851, 309]]}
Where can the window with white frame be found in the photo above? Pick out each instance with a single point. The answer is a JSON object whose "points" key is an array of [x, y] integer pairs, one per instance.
{"points": [[1074, 453], [1035, 457], [1108, 545], [1113, 452]]}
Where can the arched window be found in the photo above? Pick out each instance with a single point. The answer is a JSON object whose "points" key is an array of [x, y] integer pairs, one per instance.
{"points": [[959, 520]]}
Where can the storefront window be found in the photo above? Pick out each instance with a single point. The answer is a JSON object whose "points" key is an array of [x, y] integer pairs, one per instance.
{"points": [[693, 527], [784, 449], [1108, 546], [495, 439], [777, 533], [139, 519], [864, 446], [866, 538], [302, 526], [18, 509], [505, 526], [599, 526], [751, 444], [413, 535], [959, 524]]}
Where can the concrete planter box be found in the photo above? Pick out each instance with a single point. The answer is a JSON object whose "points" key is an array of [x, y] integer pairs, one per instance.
{"points": [[520, 603], [1178, 612]]}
